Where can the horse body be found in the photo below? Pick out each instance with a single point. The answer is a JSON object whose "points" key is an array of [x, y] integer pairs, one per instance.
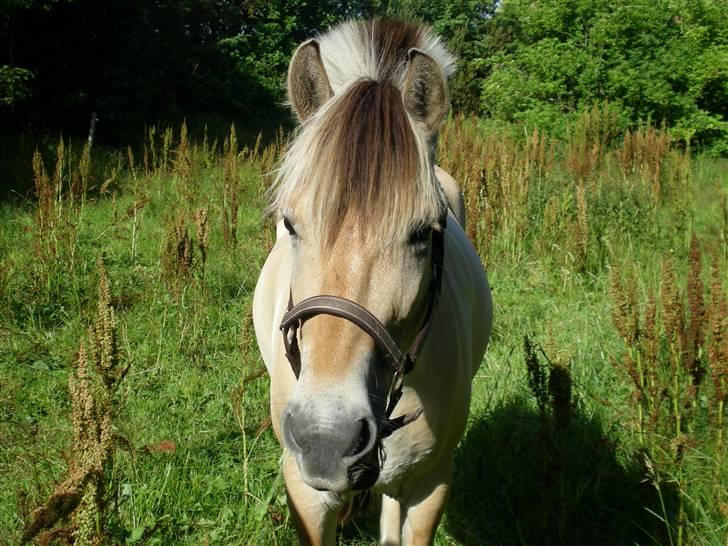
{"points": [[370, 242]]}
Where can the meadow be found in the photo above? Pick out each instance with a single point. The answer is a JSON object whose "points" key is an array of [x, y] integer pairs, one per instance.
{"points": [[133, 402]]}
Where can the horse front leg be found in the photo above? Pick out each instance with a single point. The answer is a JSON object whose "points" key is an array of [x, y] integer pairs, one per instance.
{"points": [[423, 507], [315, 513], [390, 522]]}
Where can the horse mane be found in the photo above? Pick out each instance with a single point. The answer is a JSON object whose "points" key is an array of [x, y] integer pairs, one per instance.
{"points": [[361, 157]]}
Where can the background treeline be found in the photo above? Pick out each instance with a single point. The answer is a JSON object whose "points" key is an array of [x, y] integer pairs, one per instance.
{"points": [[143, 62], [140, 62]]}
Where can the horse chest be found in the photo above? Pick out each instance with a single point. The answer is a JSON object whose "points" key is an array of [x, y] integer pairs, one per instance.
{"points": [[407, 454], [399, 471]]}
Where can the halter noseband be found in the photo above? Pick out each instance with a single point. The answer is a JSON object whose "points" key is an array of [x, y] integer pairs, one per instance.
{"points": [[401, 363]]}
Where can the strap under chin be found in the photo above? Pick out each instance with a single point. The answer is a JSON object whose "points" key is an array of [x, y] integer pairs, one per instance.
{"points": [[392, 425]]}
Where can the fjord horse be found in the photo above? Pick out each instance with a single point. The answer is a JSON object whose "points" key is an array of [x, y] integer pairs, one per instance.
{"points": [[372, 311]]}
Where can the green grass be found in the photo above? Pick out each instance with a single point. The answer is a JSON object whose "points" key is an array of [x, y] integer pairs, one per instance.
{"points": [[519, 480]]}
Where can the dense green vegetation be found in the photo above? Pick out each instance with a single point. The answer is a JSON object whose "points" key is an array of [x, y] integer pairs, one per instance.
{"points": [[568, 442], [664, 61], [212, 62]]}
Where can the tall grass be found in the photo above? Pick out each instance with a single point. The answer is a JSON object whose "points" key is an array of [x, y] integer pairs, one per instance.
{"points": [[671, 357], [601, 224], [533, 199]]}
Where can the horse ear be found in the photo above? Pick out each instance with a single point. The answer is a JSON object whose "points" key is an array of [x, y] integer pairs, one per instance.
{"points": [[308, 84], [425, 90]]}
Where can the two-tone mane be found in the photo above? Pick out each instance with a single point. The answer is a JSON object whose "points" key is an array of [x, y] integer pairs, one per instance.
{"points": [[362, 155]]}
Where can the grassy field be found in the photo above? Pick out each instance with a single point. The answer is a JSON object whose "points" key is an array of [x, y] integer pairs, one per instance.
{"points": [[599, 410]]}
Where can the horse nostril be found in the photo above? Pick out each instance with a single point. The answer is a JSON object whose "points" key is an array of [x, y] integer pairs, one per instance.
{"points": [[364, 439], [324, 443], [289, 431]]}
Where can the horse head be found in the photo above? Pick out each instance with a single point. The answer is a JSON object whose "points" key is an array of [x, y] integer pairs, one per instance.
{"points": [[361, 206]]}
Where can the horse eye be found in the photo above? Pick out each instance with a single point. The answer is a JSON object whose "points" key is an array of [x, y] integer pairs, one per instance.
{"points": [[289, 226], [420, 235]]}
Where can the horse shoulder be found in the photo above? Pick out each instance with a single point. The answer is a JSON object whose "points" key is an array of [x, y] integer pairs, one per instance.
{"points": [[269, 297], [467, 284], [454, 196]]}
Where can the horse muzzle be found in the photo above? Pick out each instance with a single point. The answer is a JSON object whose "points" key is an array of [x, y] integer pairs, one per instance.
{"points": [[334, 446]]}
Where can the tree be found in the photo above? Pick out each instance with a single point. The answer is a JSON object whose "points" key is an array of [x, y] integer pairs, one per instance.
{"points": [[661, 61]]}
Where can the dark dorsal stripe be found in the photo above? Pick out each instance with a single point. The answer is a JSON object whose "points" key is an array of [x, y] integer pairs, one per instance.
{"points": [[392, 41], [372, 153]]}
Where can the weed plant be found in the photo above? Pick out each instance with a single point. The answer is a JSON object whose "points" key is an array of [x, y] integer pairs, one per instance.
{"points": [[671, 358], [81, 497]]}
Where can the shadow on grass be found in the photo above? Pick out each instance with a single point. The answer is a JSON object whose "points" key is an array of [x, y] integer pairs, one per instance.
{"points": [[518, 481]]}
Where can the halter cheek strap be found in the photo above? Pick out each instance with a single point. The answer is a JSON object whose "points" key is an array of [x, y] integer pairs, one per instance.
{"points": [[401, 363]]}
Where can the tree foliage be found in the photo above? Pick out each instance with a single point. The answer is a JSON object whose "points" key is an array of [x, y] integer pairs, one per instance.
{"points": [[663, 60], [140, 62], [533, 61]]}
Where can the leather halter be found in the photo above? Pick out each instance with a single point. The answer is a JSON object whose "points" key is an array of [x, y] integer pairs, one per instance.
{"points": [[401, 363]]}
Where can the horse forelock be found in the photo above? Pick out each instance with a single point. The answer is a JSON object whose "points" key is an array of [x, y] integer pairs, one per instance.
{"points": [[377, 50], [360, 158]]}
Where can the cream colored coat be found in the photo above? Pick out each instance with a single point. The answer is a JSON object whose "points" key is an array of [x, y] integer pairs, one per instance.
{"points": [[418, 465]]}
